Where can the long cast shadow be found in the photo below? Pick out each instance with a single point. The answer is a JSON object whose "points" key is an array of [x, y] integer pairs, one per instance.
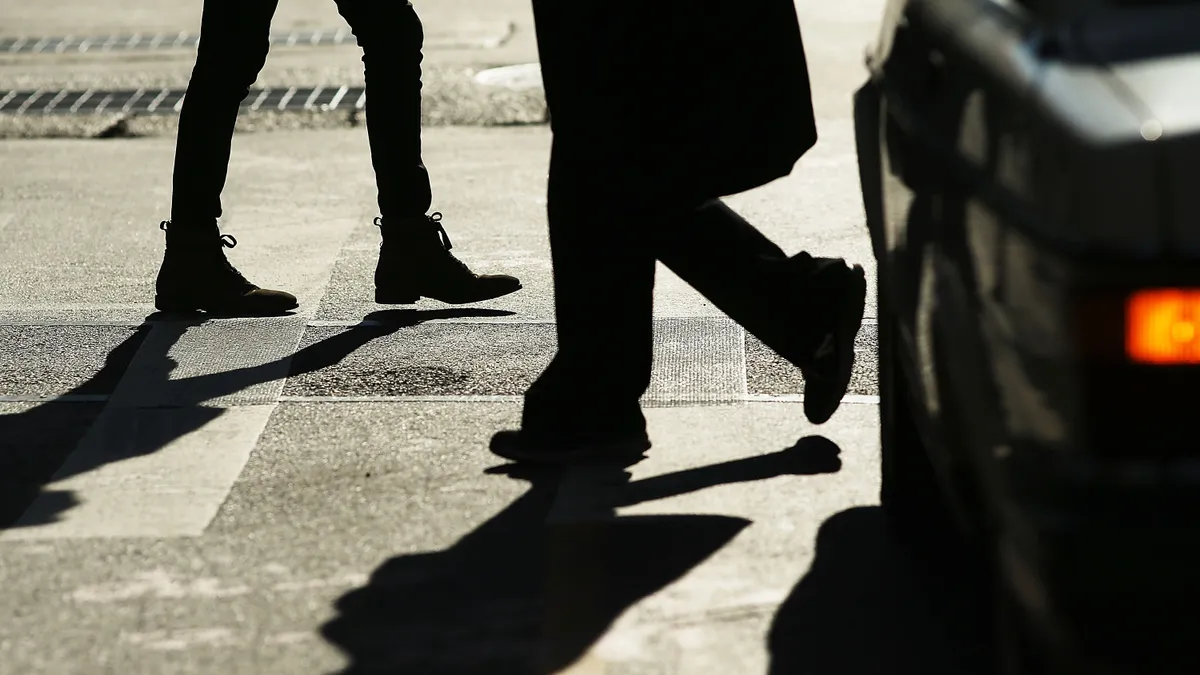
{"points": [[532, 589], [870, 605], [36, 444]]}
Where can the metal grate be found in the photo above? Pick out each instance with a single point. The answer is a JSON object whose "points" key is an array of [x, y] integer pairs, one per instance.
{"points": [[169, 101], [156, 41], [486, 37]]}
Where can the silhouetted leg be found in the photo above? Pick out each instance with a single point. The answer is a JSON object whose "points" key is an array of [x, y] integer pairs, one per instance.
{"points": [[414, 259], [391, 37], [742, 272], [603, 299], [195, 275], [806, 309], [235, 39]]}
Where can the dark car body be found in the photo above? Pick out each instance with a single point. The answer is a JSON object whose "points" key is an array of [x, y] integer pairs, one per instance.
{"points": [[1031, 178]]}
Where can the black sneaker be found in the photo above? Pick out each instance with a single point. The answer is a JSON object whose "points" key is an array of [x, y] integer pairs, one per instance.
{"points": [[196, 276], [521, 446], [827, 369], [415, 262]]}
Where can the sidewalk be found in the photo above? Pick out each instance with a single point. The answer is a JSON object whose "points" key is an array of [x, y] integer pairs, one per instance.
{"points": [[224, 506]]}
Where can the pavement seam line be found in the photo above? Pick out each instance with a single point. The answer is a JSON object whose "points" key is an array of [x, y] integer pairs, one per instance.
{"points": [[851, 399], [867, 321]]}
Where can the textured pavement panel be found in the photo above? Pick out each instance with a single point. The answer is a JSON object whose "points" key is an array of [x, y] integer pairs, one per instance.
{"points": [[216, 362], [768, 374], [697, 361]]}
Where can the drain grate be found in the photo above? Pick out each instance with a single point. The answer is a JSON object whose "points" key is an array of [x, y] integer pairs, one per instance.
{"points": [[169, 101], [487, 36], [155, 41]]}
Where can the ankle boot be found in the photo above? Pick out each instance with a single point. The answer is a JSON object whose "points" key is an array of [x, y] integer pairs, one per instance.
{"points": [[195, 275], [415, 262]]}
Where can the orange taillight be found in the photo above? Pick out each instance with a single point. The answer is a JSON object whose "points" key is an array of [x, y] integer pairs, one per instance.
{"points": [[1162, 326]]}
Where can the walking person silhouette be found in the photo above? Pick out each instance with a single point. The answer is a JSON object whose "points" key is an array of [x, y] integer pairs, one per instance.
{"points": [[414, 257], [657, 110]]}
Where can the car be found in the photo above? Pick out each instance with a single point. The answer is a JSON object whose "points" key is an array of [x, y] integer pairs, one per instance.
{"points": [[1031, 180]]}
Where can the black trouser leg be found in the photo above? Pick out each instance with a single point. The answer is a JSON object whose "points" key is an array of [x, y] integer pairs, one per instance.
{"points": [[391, 36], [603, 300], [235, 39], [740, 270]]}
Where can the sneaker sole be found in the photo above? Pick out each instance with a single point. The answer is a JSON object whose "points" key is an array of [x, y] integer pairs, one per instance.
{"points": [[849, 323]]}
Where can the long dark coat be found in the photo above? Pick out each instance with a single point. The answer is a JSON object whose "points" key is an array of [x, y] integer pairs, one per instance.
{"points": [[707, 97]]}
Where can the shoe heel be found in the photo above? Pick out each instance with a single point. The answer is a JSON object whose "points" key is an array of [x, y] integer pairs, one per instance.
{"points": [[395, 298]]}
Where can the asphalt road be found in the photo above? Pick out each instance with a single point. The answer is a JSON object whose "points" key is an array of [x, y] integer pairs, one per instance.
{"points": [[313, 494]]}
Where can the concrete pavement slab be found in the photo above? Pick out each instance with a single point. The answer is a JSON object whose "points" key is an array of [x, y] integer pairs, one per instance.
{"points": [[146, 472], [35, 439], [85, 244], [768, 374], [40, 361], [355, 525]]}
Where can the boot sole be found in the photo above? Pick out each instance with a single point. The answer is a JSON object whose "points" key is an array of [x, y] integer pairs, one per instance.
{"points": [[402, 298], [168, 306]]}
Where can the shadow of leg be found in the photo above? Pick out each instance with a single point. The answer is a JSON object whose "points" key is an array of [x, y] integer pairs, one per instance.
{"points": [[597, 570]]}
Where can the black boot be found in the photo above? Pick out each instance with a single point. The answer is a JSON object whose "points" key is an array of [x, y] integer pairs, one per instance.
{"points": [[195, 275], [415, 262]]}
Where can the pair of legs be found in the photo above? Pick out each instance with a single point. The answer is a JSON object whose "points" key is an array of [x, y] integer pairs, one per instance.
{"points": [[615, 208], [605, 329], [235, 39], [414, 258]]}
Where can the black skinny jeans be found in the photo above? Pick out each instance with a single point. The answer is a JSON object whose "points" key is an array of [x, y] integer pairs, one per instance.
{"points": [[235, 39]]}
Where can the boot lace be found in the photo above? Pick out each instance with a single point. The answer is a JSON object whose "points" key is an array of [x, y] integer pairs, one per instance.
{"points": [[227, 241], [434, 219]]}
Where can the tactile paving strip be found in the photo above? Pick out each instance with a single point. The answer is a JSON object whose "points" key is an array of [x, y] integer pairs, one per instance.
{"points": [[216, 363], [170, 101], [697, 361]]}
